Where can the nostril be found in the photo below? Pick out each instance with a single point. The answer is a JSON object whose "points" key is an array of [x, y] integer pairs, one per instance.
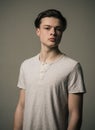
{"points": [[53, 31]]}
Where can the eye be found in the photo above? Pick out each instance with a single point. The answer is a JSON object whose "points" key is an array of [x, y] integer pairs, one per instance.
{"points": [[47, 28], [59, 29]]}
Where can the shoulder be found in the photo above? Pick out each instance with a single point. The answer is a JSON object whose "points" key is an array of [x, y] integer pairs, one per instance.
{"points": [[28, 62], [69, 59], [69, 62]]}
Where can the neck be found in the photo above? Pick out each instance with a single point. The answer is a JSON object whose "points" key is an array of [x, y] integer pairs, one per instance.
{"points": [[48, 55]]}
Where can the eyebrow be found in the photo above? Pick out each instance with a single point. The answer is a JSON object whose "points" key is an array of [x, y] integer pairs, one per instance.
{"points": [[52, 26]]}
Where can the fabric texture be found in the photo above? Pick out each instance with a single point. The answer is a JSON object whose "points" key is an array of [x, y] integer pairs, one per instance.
{"points": [[47, 87]]}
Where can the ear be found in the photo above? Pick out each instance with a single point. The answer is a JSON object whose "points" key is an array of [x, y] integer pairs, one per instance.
{"points": [[37, 32]]}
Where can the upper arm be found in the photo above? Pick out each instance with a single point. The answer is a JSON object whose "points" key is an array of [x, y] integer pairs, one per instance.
{"points": [[21, 100]]}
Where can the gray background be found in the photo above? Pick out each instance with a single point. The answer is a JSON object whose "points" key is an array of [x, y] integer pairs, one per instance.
{"points": [[18, 42]]}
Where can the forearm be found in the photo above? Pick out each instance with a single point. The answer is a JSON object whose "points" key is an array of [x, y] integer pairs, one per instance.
{"points": [[18, 119], [74, 123], [75, 106]]}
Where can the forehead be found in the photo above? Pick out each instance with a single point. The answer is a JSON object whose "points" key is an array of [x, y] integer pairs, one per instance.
{"points": [[50, 21]]}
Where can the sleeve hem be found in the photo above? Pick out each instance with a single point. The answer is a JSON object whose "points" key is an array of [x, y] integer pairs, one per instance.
{"points": [[83, 92], [21, 87]]}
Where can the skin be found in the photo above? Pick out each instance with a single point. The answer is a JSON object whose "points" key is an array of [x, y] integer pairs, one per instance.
{"points": [[50, 34], [18, 116]]}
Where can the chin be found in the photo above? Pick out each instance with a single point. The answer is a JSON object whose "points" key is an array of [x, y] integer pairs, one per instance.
{"points": [[53, 45]]}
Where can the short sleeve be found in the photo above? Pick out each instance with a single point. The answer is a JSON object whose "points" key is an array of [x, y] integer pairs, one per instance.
{"points": [[76, 80], [21, 79]]}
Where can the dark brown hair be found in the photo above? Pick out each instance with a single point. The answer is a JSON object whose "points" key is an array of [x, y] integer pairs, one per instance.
{"points": [[50, 13]]}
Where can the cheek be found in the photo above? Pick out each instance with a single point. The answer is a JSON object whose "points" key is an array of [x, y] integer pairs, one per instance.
{"points": [[60, 36], [43, 35]]}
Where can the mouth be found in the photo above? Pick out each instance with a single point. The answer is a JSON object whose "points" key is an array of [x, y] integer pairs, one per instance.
{"points": [[52, 39]]}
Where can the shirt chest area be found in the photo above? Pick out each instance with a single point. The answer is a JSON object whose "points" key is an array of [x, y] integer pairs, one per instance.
{"points": [[45, 75]]}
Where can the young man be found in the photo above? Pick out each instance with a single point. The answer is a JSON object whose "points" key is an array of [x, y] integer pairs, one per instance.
{"points": [[51, 83]]}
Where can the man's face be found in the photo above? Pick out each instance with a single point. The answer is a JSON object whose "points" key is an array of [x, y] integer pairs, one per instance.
{"points": [[50, 31]]}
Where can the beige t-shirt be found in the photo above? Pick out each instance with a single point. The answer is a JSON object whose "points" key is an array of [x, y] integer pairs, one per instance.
{"points": [[47, 87]]}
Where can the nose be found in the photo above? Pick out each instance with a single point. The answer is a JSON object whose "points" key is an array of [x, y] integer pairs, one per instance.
{"points": [[53, 31]]}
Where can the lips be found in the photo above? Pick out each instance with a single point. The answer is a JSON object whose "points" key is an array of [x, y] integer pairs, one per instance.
{"points": [[52, 39]]}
